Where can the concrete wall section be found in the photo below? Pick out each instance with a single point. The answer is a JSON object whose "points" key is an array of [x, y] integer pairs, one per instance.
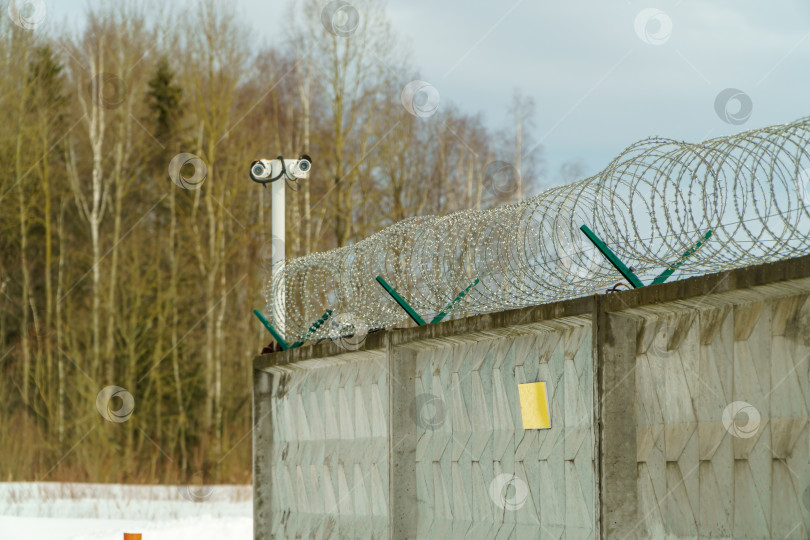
{"points": [[721, 414], [452, 461], [402, 442], [616, 349], [677, 411], [479, 474], [322, 448]]}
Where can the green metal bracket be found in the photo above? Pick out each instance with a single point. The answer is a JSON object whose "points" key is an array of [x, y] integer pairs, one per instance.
{"points": [[677, 264], [452, 304], [614, 260], [280, 340], [412, 313], [317, 324], [627, 273], [401, 301]]}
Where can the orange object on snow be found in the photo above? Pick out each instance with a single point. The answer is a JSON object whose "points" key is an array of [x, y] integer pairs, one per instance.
{"points": [[132, 536]]}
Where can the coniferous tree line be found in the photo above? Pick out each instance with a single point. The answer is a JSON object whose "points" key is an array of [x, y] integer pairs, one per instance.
{"points": [[112, 273]]}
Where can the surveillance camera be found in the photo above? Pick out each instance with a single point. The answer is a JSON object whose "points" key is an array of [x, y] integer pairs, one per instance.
{"points": [[258, 170], [304, 163], [265, 171]]}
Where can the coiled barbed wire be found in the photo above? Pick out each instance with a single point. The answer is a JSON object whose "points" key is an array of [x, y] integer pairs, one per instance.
{"points": [[649, 205]]}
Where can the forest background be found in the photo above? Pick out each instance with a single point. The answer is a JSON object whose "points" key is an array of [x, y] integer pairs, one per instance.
{"points": [[114, 272]]}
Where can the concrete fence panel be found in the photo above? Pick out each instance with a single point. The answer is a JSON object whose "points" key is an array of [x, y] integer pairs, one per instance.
{"points": [[677, 411]]}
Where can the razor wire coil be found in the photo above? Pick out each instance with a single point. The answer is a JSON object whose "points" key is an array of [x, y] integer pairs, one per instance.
{"points": [[649, 205]]}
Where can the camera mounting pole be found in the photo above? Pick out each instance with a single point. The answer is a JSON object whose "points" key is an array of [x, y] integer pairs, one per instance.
{"points": [[278, 229], [277, 172]]}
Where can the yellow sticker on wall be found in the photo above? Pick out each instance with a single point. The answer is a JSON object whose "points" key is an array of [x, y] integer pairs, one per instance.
{"points": [[534, 405]]}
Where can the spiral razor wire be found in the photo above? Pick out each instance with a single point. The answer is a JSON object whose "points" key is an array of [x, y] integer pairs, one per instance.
{"points": [[649, 205]]}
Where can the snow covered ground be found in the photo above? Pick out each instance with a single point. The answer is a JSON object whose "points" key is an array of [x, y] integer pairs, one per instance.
{"points": [[67, 511]]}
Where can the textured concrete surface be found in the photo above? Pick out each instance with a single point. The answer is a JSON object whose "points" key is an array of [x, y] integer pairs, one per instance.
{"points": [[704, 471], [678, 411], [478, 473], [402, 441], [322, 430], [616, 349]]}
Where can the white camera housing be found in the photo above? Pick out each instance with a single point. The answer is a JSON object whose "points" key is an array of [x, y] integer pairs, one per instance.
{"points": [[265, 171]]}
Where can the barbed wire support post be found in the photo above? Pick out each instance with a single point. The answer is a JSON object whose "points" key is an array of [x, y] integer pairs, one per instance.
{"points": [[610, 256], [401, 301], [677, 264], [280, 340], [452, 304], [312, 329]]}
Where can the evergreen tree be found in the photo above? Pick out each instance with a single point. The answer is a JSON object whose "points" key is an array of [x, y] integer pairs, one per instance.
{"points": [[165, 100]]}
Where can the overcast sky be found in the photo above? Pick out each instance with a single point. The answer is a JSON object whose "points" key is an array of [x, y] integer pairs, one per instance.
{"points": [[602, 74]]}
